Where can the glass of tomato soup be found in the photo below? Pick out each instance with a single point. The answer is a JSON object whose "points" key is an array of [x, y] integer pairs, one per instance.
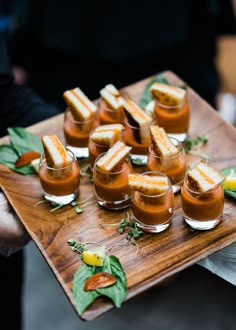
{"points": [[202, 210], [60, 185], [153, 208], [111, 188], [108, 115], [174, 166], [77, 133], [174, 119]]}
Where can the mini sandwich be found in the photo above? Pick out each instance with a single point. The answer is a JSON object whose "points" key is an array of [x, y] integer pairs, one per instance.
{"points": [[149, 185], [112, 97], [114, 157], [81, 107], [107, 135], [203, 177], [55, 152], [162, 144], [137, 117], [168, 95]]}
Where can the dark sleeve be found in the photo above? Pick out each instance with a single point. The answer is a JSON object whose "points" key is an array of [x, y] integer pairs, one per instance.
{"points": [[19, 105]]}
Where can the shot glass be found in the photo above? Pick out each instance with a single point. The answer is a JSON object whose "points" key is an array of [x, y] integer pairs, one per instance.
{"points": [[60, 185], [96, 149], [107, 115], [174, 119], [202, 211], [153, 213], [77, 134], [111, 188], [174, 167], [139, 139]]}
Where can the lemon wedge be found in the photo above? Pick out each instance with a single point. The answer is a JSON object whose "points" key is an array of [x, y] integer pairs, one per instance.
{"points": [[35, 164], [230, 181], [94, 257]]}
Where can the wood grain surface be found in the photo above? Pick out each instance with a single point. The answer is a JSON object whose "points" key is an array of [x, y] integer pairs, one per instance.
{"points": [[160, 255]]}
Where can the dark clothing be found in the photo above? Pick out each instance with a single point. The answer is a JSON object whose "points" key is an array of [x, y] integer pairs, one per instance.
{"points": [[92, 43], [18, 107]]}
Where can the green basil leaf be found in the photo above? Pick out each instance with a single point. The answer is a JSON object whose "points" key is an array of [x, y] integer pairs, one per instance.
{"points": [[83, 298], [226, 171], [118, 291], [8, 157], [24, 141], [146, 96]]}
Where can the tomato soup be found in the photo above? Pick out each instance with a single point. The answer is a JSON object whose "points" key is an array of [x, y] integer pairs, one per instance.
{"points": [[112, 186], [174, 167], [173, 119], [60, 182], [202, 206], [153, 210], [107, 115], [77, 133]]}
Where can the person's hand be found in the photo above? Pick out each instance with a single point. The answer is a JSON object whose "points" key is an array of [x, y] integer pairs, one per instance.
{"points": [[13, 236]]}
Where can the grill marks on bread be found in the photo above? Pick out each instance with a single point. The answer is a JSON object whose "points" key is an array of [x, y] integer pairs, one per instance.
{"points": [[137, 117], [202, 177], [168, 95], [55, 153], [81, 107], [162, 144]]}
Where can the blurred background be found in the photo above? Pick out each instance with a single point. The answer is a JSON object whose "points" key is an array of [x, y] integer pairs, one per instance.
{"points": [[195, 298]]}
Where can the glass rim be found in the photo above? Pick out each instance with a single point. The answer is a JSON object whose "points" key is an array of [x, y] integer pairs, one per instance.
{"points": [[127, 160], [106, 107], [43, 161], [199, 193], [171, 106], [179, 144], [159, 174], [77, 121]]}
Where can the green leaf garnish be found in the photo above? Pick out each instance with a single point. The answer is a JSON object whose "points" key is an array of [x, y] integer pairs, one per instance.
{"points": [[116, 292], [21, 141]]}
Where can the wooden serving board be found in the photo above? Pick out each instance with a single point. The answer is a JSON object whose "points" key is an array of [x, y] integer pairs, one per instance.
{"points": [[160, 255]]}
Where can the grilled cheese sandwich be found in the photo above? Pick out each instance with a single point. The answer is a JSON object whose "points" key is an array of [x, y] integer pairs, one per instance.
{"points": [[81, 107], [168, 95], [112, 97], [137, 117], [202, 177], [114, 157], [55, 153], [162, 144], [149, 185], [107, 134]]}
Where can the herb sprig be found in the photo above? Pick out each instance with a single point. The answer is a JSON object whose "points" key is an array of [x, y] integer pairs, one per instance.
{"points": [[193, 147]]}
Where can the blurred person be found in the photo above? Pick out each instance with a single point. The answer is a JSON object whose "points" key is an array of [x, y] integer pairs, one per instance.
{"points": [[19, 106], [92, 43]]}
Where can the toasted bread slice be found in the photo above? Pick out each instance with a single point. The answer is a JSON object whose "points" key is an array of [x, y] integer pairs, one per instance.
{"points": [[81, 107], [168, 95], [55, 153], [202, 177], [149, 185], [137, 117], [114, 157], [107, 134], [112, 97], [162, 144]]}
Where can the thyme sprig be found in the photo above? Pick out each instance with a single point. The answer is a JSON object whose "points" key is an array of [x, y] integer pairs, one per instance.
{"points": [[80, 247], [129, 226], [193, 147]]}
